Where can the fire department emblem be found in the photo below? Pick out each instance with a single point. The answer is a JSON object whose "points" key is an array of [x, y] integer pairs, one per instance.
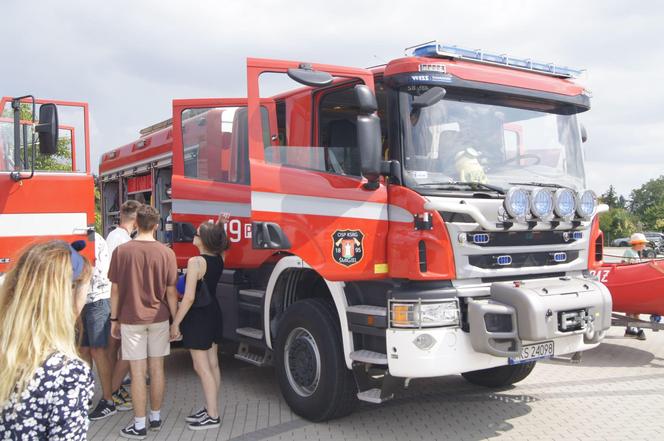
{"points": [[347, 247]]}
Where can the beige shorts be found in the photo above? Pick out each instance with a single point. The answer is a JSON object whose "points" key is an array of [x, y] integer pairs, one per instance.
{"points": [[142, 341]]}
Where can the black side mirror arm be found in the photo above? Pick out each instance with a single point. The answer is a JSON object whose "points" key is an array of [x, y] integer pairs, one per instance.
{"points": [[16, 175]]}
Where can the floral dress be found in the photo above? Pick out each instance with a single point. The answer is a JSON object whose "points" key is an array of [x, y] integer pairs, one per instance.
{"points": [[54, 406]]}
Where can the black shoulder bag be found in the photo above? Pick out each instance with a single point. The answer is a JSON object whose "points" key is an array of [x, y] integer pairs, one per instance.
{"points": [[203, 297]]}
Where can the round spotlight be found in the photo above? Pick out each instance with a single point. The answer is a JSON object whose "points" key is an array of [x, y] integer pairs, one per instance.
{"points": [[564, 203], [586, 204], [541, 203], [517, 203]]}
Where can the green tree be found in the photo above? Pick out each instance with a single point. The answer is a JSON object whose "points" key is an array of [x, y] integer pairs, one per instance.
{"points": [[98, 224], [647, 203], [617, 222], [610, 197]]}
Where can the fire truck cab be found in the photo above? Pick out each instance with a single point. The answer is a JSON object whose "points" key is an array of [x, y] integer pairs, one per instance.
{"points": [[46, 188], [423, 218]]}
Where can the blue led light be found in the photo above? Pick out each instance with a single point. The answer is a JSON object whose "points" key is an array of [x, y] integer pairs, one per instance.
{"points": [[559, 257], [504, 260], [481, 238], [577, 235], [437, 50]]}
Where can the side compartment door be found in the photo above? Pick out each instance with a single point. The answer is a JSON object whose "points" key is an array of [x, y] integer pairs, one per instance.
{"points": [[211, 174], [308, 197]]}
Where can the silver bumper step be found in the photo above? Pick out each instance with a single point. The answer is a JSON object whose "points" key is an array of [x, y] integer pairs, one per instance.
{"points": [[261, 359], [373, 396], [365, 356], [255, 293], [368, 310], [250, 332]]}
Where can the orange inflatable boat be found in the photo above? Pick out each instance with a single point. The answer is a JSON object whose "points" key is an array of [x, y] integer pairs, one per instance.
{"points": [[636, 287]]}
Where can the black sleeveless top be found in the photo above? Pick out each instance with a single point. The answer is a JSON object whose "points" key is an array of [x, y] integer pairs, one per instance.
{"points": [[203, 326], [215, 267]]}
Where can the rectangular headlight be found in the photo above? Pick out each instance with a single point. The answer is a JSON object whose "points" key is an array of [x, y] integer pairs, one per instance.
{"points": [[424, 315]]}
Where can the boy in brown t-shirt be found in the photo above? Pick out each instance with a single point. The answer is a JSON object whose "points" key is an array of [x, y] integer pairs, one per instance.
{"points": [[143, 273]]}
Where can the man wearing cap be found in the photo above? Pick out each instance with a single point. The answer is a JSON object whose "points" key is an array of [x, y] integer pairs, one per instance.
{"points": [[638, 242]]}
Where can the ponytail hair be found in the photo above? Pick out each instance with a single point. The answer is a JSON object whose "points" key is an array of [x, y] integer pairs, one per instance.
{"points": [[213, 235]]}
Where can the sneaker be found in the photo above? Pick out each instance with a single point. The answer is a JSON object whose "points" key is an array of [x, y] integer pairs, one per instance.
{"points": [[207, 422], [126, 381], [631, 332], [641, 335], [132, 432], [104, 409], [195, 417], [155, 425], [654, 318], [122, 400]]}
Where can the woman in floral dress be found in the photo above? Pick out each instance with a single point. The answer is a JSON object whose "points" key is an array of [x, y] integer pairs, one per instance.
{"points": [[45, 388]]}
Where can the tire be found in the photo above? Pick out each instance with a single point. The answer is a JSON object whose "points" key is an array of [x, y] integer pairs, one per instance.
{"points": [[649, 253], [313, 378], [500, 376]]}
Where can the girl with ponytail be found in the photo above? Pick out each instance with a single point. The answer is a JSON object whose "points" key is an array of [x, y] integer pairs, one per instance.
{"points": [[198, 320]]}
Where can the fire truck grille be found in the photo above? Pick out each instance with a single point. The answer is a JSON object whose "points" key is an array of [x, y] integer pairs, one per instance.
{"points": [[522, 238], [520, 260]]}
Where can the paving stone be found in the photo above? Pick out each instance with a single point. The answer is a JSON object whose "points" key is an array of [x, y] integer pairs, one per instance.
{"points": [[616, 392]]}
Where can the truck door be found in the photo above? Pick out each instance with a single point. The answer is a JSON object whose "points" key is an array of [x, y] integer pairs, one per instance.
{"points": [[57, 202], [211, 174], [308, 197]]}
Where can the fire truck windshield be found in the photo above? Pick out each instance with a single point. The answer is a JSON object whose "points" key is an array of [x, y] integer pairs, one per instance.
{"points": [[488, 139]]}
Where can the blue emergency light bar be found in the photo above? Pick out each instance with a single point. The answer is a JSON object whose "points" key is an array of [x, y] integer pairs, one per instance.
{"points": [[437, 50]]}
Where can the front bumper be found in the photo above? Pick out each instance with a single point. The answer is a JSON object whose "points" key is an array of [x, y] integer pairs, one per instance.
{"points": [[538, 310]]}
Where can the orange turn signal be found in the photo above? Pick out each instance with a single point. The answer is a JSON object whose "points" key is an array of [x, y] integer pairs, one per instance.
{"points": [[401, 314]]}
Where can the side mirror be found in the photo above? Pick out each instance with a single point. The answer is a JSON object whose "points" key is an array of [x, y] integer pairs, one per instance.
{"points": [[429, 98], [309, 77], [584, 133], [48, 129], [368, 135]]}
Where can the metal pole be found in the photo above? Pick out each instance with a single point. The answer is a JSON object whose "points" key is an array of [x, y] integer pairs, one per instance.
{"points": [[25, 145], [16, 105]]}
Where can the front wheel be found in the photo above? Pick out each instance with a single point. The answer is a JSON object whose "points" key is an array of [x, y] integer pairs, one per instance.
{"points": [[310, 365], [500, 376]]}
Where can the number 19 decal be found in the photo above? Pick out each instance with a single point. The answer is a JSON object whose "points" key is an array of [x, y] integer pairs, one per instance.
{"points": [[237, 231]]}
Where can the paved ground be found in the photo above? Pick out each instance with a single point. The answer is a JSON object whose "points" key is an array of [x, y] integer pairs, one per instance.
{"points": [[616, 393]]}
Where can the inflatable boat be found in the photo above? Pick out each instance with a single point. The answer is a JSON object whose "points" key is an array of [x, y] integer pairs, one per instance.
{"points": [[636, 287]]}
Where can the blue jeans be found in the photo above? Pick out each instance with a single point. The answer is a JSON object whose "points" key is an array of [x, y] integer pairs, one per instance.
{"points": [[96, 320]]}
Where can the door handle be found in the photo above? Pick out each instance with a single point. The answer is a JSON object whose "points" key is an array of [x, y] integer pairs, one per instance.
{"points": [[269, 236]]}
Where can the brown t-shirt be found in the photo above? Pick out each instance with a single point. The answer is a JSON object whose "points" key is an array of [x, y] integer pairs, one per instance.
{"points": [[143, 270]]}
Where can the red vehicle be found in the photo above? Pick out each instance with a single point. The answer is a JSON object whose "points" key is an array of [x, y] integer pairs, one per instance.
{"points": [[46, 189], [424, 218], [636, 288]]}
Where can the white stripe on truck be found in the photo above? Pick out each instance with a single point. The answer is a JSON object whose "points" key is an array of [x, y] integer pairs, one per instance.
{"points": [[42, 224]]}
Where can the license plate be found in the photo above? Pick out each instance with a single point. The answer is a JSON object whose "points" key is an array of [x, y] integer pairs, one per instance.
{"points": [[532, 352]]}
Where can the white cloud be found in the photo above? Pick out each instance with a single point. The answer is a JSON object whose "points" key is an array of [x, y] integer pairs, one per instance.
{"points": [[129, 59]]}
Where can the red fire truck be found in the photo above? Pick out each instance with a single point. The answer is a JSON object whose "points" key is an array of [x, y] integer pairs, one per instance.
{"points": [[423, 218], [46, 188]]}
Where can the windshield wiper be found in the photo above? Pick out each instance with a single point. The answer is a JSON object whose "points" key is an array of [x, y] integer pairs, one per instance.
{"points": [[472, 185], [539, 184]]}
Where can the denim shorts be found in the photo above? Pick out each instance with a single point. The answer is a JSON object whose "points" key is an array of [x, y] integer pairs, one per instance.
{"points": [[96, 321]]}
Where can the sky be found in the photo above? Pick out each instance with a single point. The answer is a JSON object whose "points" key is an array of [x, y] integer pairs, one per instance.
{"points": [[130, 59]]}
